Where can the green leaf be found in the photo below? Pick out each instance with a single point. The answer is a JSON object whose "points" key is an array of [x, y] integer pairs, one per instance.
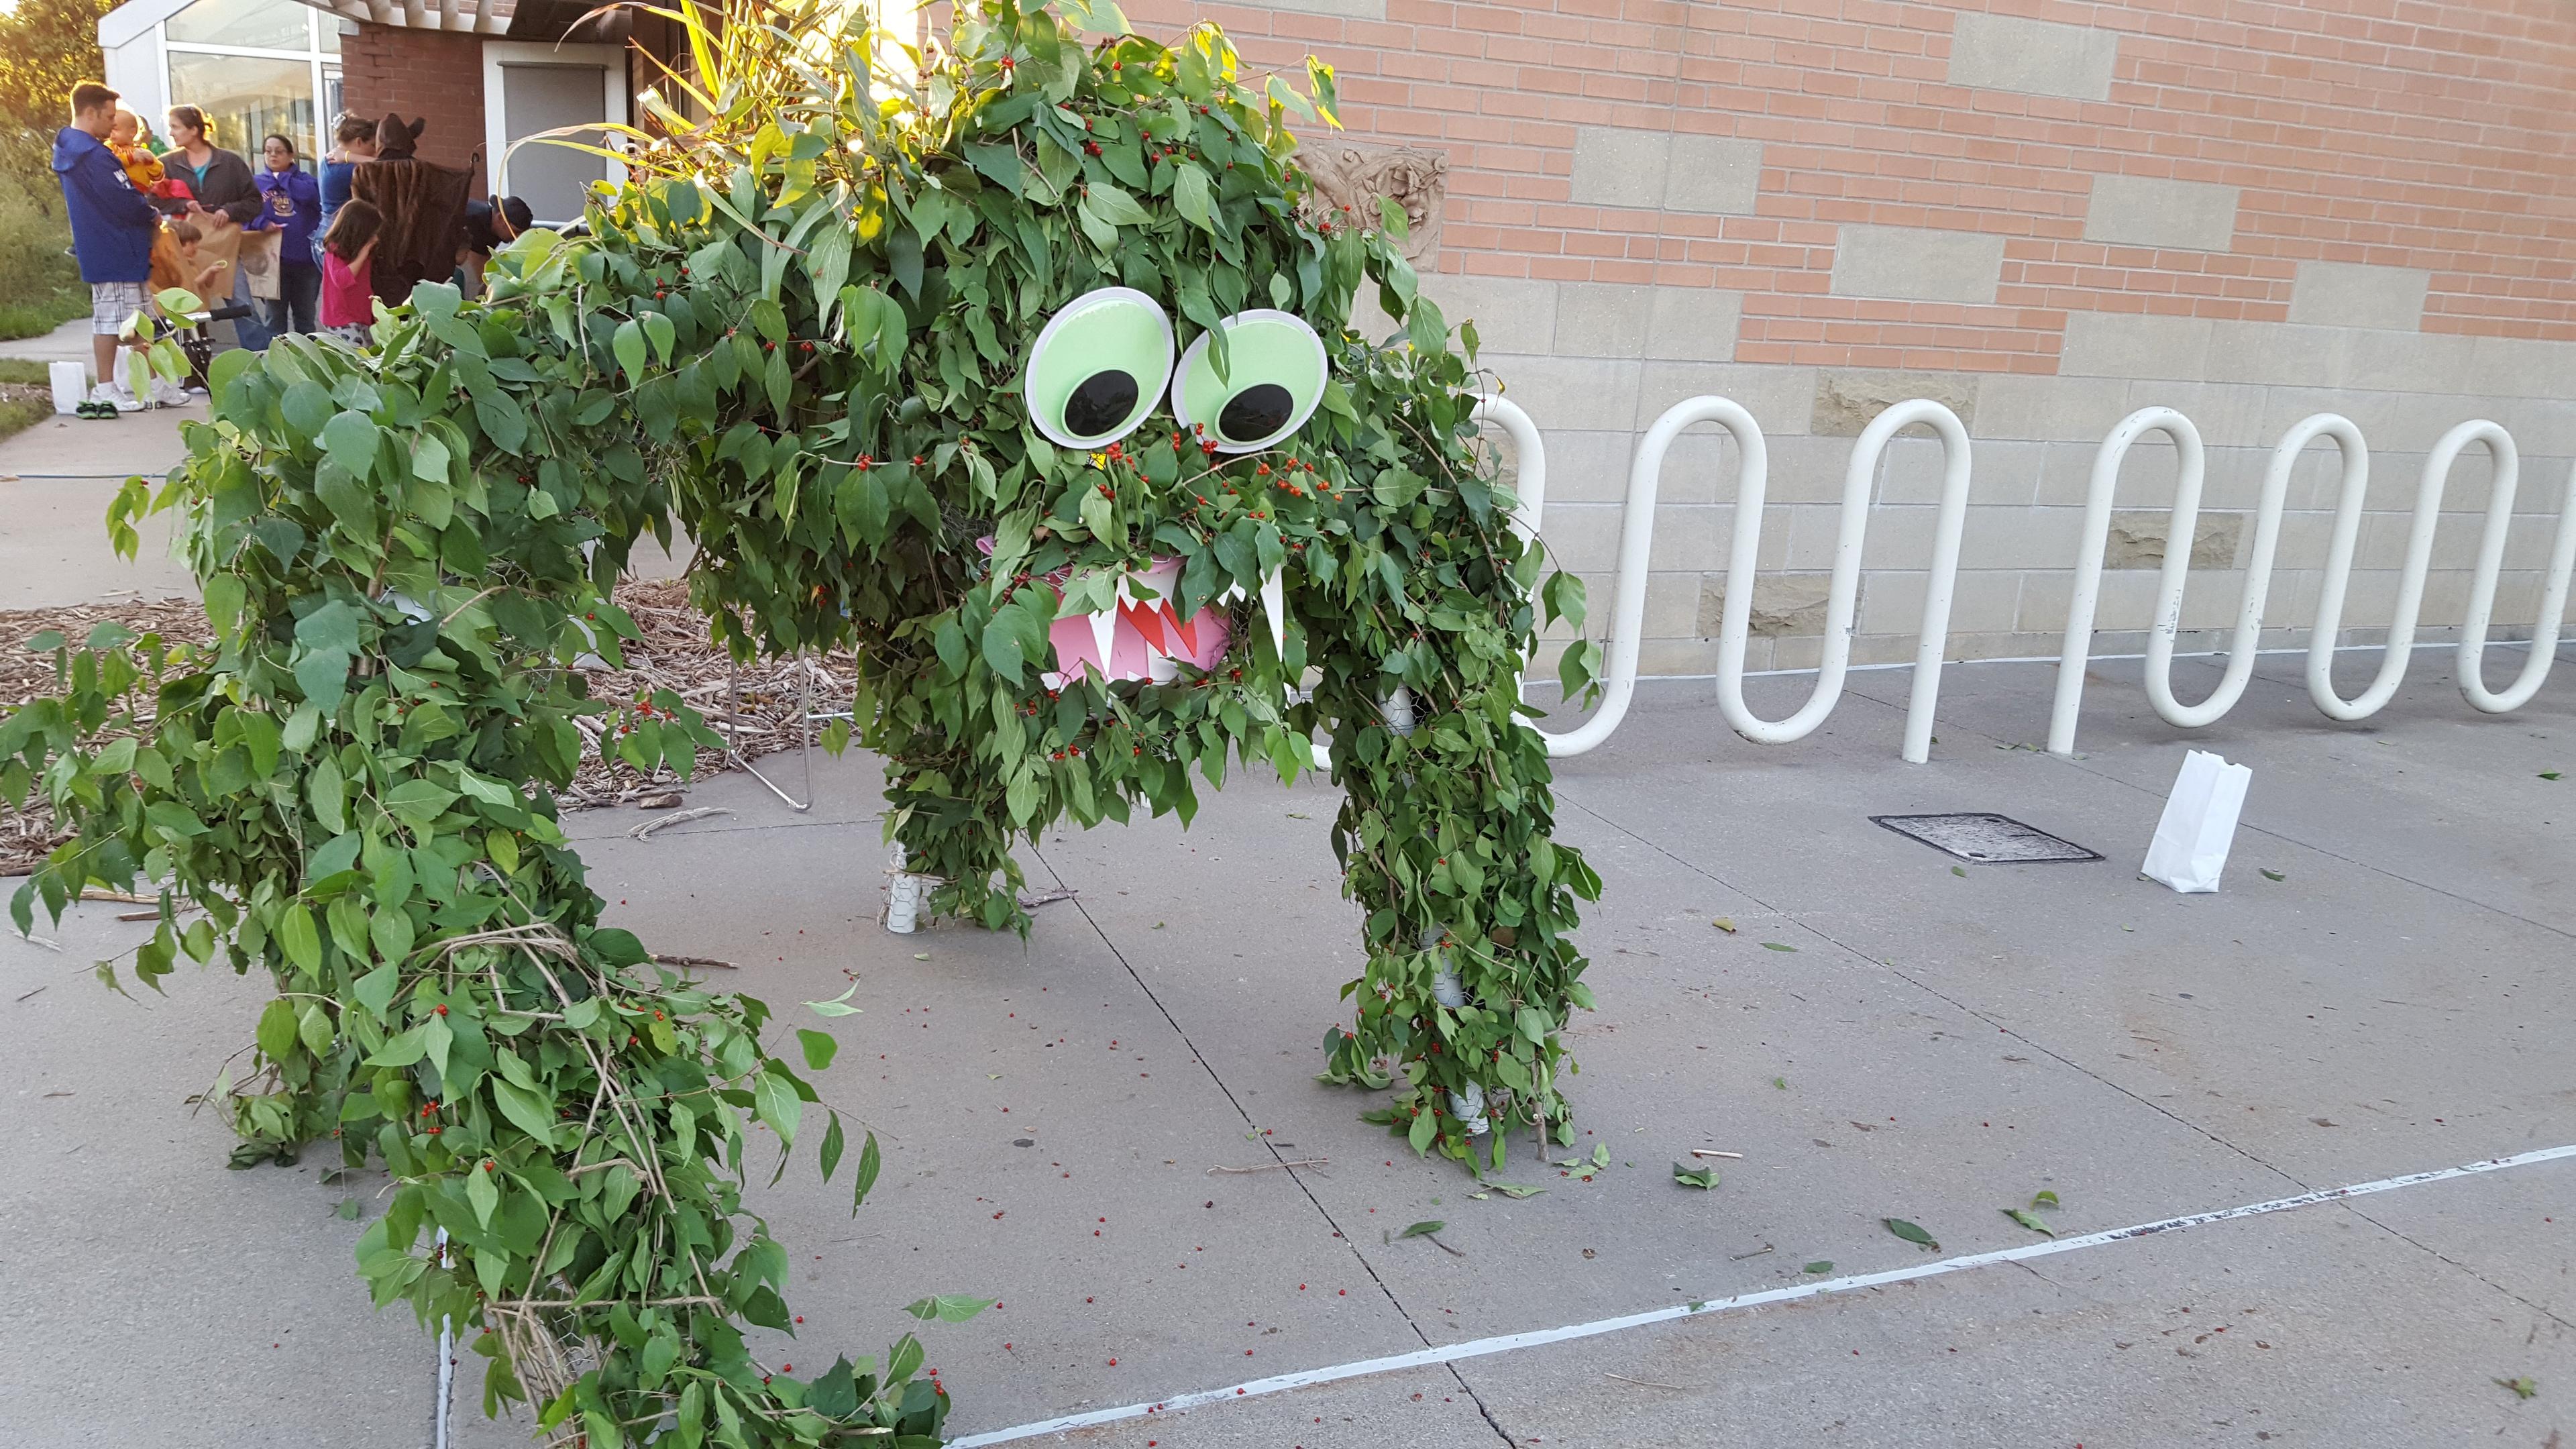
{"points": [[2523, 1388], [2044, 1198], [775, 1100], [1115, 206], [375, 990], [947, 1308], [529, 1111], [2274, 875], [1192, 197], [302, 940], [819, 1050], [2551, 775], [2028, 1219], [1699, 1177], [834, 1144], [1515, 1190], [351, 438], [1422, 1230], [1909, 1232], [869, 1163], [837, 1006], [628, 343], [313, 1028], [277, 1034], [1820, 1267], [482, 1193], [1776, 946]]}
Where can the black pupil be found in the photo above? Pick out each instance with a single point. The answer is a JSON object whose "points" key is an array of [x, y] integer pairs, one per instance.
{"points": [[1256, 412], [1100, 404]]}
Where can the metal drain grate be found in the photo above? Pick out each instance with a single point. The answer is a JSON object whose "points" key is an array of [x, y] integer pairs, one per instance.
{"points": [[1986, 838]]}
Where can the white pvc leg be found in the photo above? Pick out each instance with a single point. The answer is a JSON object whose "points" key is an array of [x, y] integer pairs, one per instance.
{"points": [[904, 896]]}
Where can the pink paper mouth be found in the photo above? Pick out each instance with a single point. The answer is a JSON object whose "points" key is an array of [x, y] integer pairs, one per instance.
{"points": [[1143, 634]]}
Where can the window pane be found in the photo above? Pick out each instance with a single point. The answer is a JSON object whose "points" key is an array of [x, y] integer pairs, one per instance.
{"points": [[244, 99], [266, 24], [327, 28]]}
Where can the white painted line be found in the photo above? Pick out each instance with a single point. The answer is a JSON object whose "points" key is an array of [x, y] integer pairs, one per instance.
{"points": [[1505, 1343]]}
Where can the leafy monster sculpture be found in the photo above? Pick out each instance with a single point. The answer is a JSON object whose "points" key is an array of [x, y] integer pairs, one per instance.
{"points": [[1028, 380]]}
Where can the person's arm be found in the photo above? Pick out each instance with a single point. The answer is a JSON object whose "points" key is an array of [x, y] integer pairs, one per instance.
{"points": [[244, 204], [105, 186], [359, 262]]}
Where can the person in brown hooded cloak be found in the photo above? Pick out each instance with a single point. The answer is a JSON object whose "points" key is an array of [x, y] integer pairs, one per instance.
{"points": [[423, 205]]}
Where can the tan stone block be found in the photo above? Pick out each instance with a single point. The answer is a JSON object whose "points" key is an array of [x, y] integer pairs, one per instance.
{"points": [[1513, 315], [2049, 409], [2155, 211], [2120, 344], [1779, 398], [1783, 605], [1714, 174], [1850, 400], [2352, 294], [1913, 263], [1620, 166], [2032, 57], [2138, 537], [1693, 324], [1572, 392], [1600, 319]]}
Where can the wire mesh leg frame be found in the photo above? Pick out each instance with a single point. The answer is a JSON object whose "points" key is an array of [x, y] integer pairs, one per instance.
{"points": [[804, 736]]}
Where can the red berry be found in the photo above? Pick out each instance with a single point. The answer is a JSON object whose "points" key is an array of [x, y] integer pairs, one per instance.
{"points": [[442, 1008]]}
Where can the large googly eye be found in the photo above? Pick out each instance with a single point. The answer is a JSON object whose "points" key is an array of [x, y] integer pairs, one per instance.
{"points": [[1099, 367], [1274, 378]]}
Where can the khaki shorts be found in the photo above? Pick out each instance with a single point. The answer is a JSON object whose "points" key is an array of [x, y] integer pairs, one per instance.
{"points": [[110, 303]]}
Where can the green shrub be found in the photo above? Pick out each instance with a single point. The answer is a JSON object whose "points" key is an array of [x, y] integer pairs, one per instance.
{"points": [[40, 284]]}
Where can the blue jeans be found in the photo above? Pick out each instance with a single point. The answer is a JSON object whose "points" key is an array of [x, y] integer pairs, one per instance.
{"points": [[251, 331], [298, 305]]}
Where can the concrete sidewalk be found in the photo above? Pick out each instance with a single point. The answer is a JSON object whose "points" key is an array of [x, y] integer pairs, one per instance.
{"points": [[1933, 1045]]}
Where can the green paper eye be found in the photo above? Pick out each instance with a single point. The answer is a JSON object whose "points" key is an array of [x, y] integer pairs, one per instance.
{"points": [[1275, 378], [1098, 367]]}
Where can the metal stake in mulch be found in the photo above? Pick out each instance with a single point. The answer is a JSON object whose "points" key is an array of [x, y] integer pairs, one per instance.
{"points": [[1987, 839]]}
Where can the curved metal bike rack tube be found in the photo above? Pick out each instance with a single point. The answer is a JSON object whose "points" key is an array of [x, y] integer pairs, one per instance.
{"points": [[1636, 539], [1529, 460], [2482, 584], [1843, 595], [2078, 643]]}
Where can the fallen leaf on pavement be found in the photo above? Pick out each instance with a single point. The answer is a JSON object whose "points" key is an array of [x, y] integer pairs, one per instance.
{"points": [[2030, 1220], [2523, 1388], [1725, 923], [1776, 946], [1819, 1267], [1702, 1178], [1909, 1232]]}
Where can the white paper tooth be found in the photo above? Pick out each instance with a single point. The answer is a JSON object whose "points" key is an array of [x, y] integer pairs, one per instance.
{"points": [[1274, 603], [1103, 625]]}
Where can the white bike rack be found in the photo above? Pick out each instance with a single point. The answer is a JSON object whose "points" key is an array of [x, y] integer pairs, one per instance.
{"points": [[1636, 539]]}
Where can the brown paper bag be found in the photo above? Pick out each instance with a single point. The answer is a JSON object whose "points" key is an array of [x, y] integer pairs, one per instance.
{"points": [[258, 261], [219, 241]]}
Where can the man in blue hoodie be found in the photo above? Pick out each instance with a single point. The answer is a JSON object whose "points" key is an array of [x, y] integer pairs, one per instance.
{"points": [[112, 228]]}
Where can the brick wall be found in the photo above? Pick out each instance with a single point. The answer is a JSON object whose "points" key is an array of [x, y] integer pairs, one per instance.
{"points": [[2044, 213], [430, 74]]}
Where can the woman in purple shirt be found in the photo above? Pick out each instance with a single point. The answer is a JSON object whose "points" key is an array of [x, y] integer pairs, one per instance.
{"points": [[291, 205]]}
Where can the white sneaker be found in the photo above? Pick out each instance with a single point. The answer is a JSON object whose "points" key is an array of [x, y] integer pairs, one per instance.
{"points": [[116, 395], [168, 394]]}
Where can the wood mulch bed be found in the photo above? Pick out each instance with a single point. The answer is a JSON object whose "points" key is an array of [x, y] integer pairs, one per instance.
{"points": [[674, 654]]}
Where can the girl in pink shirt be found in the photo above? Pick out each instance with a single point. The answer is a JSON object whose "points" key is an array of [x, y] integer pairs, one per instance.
{"points": [[348, 251]]}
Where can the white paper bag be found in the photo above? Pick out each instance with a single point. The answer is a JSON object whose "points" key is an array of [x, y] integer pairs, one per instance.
{"points": [[2190, 848], [71, 385]]}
